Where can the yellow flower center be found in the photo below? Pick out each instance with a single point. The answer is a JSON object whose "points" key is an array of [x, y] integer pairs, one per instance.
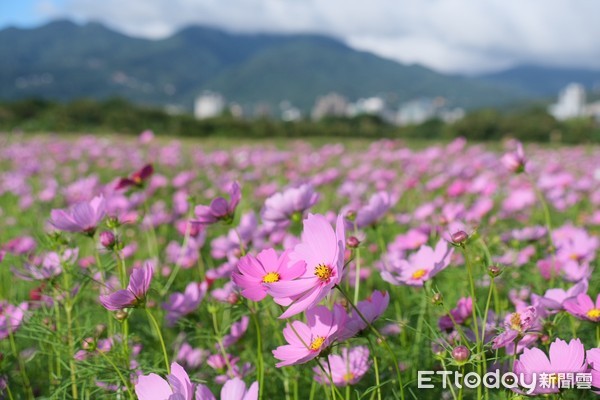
{"points": [[323, 271], [418, 274], [348, 377], [594, 313], [515, 321], [317, 343], [574, 257], [271, 277]]}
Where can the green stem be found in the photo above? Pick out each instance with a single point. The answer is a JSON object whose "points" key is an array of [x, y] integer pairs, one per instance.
{"points": [[160, 338], [357, 278], [22, 370], [376, 367], [422, 311], [475, 322], [259, 353], [70, 339], [380, 337], [125, 382]]}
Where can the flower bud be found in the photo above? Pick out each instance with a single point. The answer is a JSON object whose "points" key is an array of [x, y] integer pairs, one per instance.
{"points": [[461, 354], [121, 315], [107, 239], [494, 270], [437, 299], [352, 242], [459, 237], [351, 215]]}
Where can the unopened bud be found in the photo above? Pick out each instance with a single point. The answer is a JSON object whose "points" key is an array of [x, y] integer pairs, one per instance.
{"points": [[88, 343], [351, 215], [459, 237], [494, 270], [352, 242], [121, 315], [461, 354], [437, 299], [107, 239]]}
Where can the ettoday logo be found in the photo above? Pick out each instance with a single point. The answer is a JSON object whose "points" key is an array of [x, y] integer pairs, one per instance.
{"points": [[507, 380]]}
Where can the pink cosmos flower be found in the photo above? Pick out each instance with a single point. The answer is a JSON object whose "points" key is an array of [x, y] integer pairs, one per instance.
{"points": [[307, 341], [181, 304], [517, 325], [514, 161], [11, 317], [280, 208], [554, 299], [371, 309], [83, 217], [564, 358], [233, 389], [253, 273], [237, 330], [583, 307], [593, 359], [322, 250], [137, 178], [219, 209], [346, 369], [420, 266], [191, 357], [177, 386], [135, 294], [370, 214], [460, 314]]}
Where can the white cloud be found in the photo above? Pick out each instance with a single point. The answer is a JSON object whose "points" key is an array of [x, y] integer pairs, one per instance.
{"points": [[447, 35]]}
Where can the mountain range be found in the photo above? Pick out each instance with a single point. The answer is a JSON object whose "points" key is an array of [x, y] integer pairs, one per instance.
{"points": [[63, 60]]}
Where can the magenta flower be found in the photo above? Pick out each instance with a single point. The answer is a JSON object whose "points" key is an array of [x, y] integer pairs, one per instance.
{"points": [[191, 357], [564, 358], [370, 214], [514, 161], [517, 325], [135, 294], [48, 268], [554, 299], [83, 217], [307, 340], [219, 209], [11, 317], [181, 304], [322, 249], [371, 309], [583, 307], [233, 389], [593, 359], [177, 386], [253, 273], [137, 178], [346, 369], [420, 266], [237, 330], [458, 315], [280, 208]]}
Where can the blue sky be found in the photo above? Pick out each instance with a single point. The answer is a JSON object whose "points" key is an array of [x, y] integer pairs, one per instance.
{"points": [[26, 13], [453, 36]]}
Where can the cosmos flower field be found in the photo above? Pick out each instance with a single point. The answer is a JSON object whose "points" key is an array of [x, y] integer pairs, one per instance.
{"points": [[157, 269]]}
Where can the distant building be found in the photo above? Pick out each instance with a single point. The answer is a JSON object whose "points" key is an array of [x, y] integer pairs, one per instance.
{"points": [[370, 106], [208, 105], [288, 112], [571, 103], [418, 111], [332, 104]]}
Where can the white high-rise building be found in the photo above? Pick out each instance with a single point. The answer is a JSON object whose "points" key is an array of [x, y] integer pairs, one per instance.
{"points": [[208, 105], [571, 102]]}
